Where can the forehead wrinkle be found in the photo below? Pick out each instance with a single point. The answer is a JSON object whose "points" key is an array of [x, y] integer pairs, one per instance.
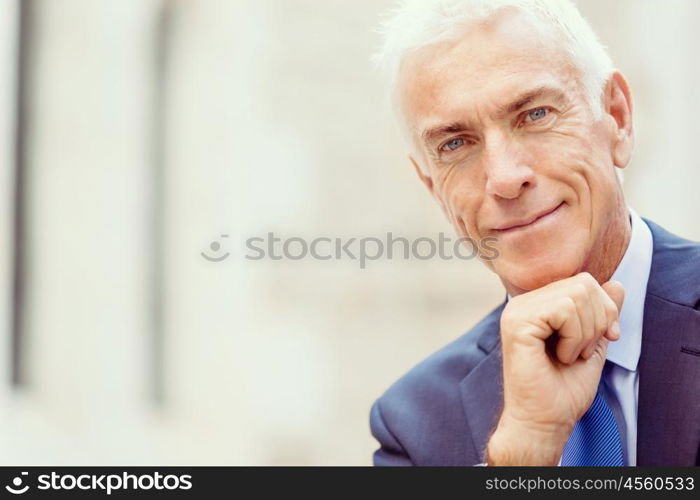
{"points": [[433, 79]]}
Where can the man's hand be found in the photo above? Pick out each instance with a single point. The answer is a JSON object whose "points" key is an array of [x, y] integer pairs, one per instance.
{"points": [[554, 342]]}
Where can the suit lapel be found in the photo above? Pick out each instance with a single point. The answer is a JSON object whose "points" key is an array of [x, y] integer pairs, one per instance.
{"points": [[668, 419], [482, 388]]}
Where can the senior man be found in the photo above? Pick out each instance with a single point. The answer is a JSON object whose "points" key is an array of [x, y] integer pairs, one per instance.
{"points": [[518, 124]]}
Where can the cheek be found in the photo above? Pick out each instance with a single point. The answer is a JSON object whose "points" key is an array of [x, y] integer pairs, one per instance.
{"points": [[584, 168], [461, 197], [560, 152], [569, 160]]}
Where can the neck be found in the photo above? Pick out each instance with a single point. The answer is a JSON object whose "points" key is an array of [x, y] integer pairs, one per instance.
{"points": [[606, 256]]}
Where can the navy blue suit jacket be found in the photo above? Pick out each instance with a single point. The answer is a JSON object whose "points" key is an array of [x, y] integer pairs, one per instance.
{"points": [[443, 410]]}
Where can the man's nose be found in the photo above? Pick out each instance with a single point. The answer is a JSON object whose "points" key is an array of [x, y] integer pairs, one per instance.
{"points": [[507, 173]]}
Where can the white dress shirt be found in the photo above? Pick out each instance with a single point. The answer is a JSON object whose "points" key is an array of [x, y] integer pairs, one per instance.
{"points": [[621, 373]]}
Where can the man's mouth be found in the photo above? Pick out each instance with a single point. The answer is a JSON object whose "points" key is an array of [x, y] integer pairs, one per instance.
{"points": [[528, 222]]}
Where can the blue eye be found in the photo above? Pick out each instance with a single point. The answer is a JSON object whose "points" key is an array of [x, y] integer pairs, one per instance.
{"points": [[455, 143], [537, 114]]}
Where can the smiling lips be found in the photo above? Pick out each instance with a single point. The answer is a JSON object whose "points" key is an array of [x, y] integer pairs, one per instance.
{"points": [[523, 223]]}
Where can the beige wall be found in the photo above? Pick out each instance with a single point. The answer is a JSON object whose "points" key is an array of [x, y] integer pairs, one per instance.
{"points": [[275, 121]]}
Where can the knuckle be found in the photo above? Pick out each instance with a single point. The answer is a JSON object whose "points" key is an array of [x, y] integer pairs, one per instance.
{"points": [[601, 328], [587, 279], [579, 291], [611, 310], [609, 306], [568, 304]]}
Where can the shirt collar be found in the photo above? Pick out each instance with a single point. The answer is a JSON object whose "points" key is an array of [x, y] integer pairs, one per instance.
{"points": [[633, 273]]}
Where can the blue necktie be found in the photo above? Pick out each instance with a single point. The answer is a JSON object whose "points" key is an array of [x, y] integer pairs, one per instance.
{"points": [[595, 440]]}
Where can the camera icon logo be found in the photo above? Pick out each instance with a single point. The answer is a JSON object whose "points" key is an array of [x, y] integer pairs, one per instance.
{"points": [[17, 483], [215, 247]]}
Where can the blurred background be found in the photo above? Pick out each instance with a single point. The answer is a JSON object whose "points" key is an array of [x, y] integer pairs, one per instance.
{"points": [[135, 134]]}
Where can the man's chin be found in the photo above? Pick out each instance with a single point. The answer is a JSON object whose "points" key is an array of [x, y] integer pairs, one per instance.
{"points": [[523, 277]]}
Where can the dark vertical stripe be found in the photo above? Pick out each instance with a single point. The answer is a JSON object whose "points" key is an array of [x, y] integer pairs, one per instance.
{"points": [[159, 134], [24, 49]]}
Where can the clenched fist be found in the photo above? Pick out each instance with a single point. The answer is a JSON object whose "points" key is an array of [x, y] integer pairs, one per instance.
{"points": [[554, 341]]}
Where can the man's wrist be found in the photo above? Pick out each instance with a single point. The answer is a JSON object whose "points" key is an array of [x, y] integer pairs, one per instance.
{"points": [[522, 444]]}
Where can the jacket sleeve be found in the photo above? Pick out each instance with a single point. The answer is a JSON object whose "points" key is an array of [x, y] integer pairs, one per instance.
{"points": [[390, 452]]}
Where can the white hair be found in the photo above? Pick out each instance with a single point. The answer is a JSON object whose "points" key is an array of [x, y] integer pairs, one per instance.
{"points": [[414, 24], [417, 23]]}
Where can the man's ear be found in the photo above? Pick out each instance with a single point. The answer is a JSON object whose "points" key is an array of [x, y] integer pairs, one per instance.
{"points": [[618, 104], [428, 182], [425, 178]]}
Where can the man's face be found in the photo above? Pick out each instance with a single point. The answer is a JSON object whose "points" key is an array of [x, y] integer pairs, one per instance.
{"points": [[508, 144]]}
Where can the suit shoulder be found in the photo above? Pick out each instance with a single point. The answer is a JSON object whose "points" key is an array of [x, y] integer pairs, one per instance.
{"points": [[675, 268], [442, 371]]}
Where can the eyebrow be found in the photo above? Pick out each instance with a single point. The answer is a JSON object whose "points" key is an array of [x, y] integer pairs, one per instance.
{"points": [[514, 106], [452, 128], [532, 95]]}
